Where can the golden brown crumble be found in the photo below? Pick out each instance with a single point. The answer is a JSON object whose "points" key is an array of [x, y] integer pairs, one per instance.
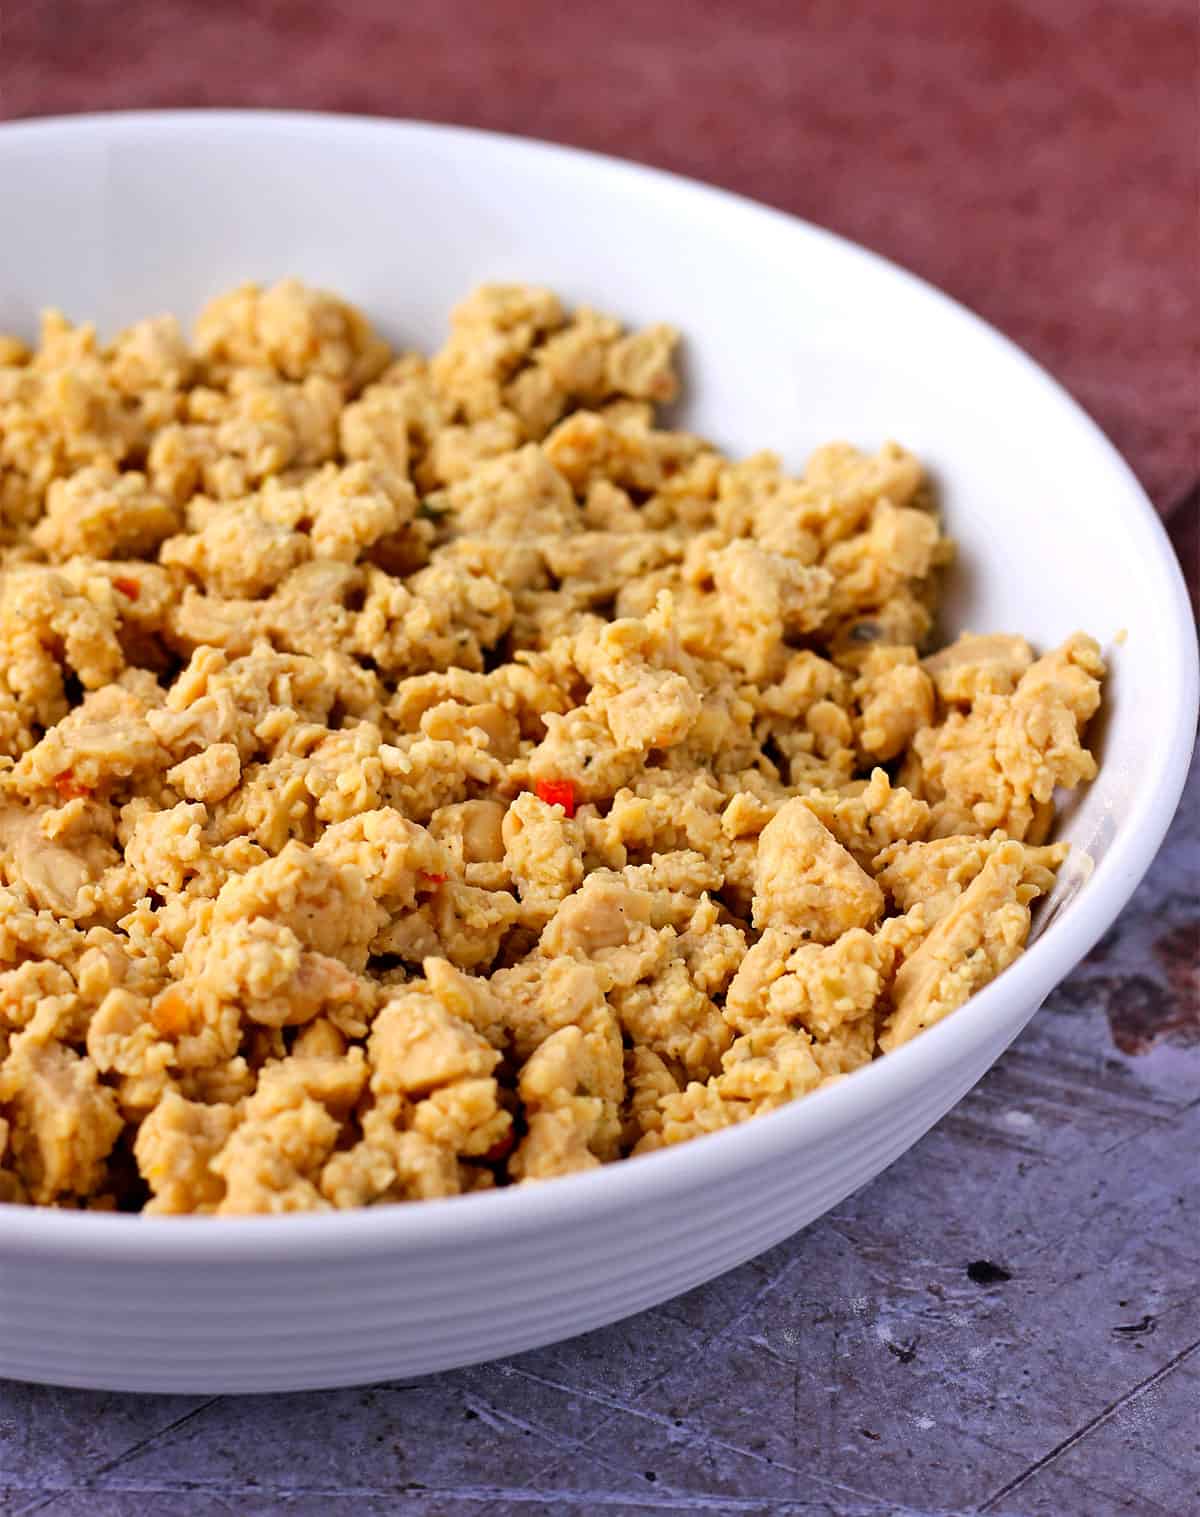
{"points": [[421, 775]]}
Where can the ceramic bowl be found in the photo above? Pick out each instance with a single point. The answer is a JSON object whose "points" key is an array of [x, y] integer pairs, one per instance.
{"points": [[794, 337]]}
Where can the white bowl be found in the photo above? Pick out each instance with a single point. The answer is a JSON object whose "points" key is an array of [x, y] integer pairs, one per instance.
{"points": [[795, 337]]}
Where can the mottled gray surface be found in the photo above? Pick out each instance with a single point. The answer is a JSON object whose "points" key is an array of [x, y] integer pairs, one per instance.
{"points": [[858, 1369]]}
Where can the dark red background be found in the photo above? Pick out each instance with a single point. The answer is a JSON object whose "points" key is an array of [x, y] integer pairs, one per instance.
{"points": [[1037, 160]]}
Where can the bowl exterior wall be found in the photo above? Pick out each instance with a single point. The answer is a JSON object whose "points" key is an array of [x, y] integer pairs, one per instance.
{"points": [[275, 1326]]}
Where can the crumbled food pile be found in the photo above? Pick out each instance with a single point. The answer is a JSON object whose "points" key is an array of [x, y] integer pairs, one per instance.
{"points": [[423, 775]]}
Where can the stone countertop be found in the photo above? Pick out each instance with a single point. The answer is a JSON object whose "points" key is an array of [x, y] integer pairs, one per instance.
{"points": [[1006, 1321]]}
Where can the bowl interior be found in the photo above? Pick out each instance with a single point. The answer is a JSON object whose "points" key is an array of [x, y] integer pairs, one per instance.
{"points": [[794, 337]]}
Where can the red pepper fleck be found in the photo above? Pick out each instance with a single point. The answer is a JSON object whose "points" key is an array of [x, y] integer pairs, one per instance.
{"points": [[172, 1013], [432, 879], [129, 587], [557, 793], [501, 1148], [69, 788]]}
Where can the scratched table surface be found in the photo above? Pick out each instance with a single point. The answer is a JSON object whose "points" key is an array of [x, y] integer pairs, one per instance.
{"points": [[1007, 1321]]}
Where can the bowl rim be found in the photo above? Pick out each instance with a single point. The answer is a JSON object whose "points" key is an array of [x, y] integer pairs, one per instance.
{"points": [[660, 1176]]}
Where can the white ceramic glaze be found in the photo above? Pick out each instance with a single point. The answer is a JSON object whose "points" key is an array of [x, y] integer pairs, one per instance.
{"points": [[794, 337]]}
